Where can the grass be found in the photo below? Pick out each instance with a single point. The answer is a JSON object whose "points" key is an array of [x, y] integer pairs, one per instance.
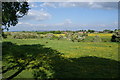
{"points": [[105, 37], [24, 73], [78, 59], [75, 49]]}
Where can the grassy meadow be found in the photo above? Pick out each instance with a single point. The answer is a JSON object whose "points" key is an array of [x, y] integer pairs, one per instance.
{"points": [[45, 58]]}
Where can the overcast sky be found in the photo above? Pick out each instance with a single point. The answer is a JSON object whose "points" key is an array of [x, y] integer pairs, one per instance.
{"points": [[69, 16]]}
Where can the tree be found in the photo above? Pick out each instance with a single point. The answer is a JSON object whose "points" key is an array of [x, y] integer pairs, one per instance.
{"points": [[91, 31], [107, 31], [12, 11]]}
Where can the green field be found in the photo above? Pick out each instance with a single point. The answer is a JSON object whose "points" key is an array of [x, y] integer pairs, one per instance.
{"points": [[60, 58]]}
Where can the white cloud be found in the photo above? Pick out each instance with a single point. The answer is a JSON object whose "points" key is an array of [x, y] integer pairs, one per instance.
{"points": [[72, 0], [49, 4], [94, 5], [38, 15], [68, 21], [102, 5], [33, 5], [67, 24], [25, 24], [67, 4]]}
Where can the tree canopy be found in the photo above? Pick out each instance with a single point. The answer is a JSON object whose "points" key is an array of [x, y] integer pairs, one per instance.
{"points": [[11, 11]]}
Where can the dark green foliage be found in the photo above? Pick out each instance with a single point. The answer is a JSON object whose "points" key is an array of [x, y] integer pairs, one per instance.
{"points": [[116, 37], [55, 32], [46, 32], [11, 11], [107, 31], [4, 35], [41, 32], [91, 31], [81, 31]]}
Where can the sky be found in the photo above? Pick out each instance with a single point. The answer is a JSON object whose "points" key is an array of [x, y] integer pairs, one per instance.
{"points": [[45, 16]]}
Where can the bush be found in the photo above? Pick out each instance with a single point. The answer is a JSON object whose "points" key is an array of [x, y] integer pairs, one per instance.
{"points": [[25, 35], [116, 37], [47, 32], [4, 35], [91, 31], [76, 36]]}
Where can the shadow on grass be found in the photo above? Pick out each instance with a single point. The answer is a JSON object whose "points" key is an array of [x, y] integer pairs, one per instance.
{"points": [[49, 63]]}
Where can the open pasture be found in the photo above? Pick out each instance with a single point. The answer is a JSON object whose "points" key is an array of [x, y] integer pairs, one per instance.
{"points": [[59, 58]]}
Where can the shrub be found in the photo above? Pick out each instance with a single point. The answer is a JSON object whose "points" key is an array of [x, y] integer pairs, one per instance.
{"points": [[25, 35], [91, 31], [4, 35], [116, 37], [76, 36]]}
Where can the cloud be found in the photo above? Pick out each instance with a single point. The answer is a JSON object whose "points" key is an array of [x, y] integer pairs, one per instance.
{"points": [[38, 15], [68, 21], [33, 5], [65, 25], [72, 0], [67, 4], [99, 5], [49, 4], [105, 5]]}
